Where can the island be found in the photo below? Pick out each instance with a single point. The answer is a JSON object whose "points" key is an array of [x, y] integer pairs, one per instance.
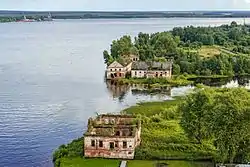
{"points": [[208, 126]]}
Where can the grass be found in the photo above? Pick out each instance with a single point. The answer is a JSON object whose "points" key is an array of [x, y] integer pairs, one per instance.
{"points": [[209, 51], [152, 108], [162, 139], [156, 82], [162, 136], [138, 163], [80, 162]]}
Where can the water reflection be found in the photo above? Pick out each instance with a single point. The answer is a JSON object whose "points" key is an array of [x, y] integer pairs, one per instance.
{"points": [[228, 82], [120, 92], [116, 90]]}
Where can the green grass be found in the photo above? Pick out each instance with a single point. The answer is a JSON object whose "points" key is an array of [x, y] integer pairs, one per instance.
{"points": [[138, 163], [156, 82], [162, 135], [162, 139], [80, 162], [152, 108], [209, 51]]}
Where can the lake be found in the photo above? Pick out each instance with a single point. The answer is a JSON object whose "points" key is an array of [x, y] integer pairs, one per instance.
{"points": [[52, 81]]}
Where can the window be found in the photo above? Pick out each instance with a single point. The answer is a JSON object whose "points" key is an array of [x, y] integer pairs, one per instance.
{"points": [[111, 69], [135, 73], [129, 152], [100, 143], [116, 144], [120, 69], [118, 133], [92, 143], [120, 74], [140, 72], [124, 144], [115, 69], [111, 145]]}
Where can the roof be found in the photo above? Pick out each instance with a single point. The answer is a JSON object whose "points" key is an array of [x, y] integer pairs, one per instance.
{"points": [[115, 64], [161, 65], [108, 125], [142, 65], [120, 62]]}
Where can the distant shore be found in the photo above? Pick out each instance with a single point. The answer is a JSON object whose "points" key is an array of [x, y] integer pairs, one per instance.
{"points": [[126, 14]]}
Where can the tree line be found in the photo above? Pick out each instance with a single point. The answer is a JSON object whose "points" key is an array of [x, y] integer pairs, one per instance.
{"points": [[220, 117], [182, 44]]}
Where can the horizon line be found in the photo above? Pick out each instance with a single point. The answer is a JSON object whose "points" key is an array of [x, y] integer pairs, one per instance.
{"points": [[207, 10]]}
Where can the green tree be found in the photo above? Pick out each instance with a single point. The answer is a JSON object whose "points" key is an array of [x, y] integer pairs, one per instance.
{"points": [[176, 69], [221, 116], [230, 122], [195, 112], [107, 57]]}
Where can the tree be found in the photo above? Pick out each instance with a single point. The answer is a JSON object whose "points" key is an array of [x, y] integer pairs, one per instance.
{"points": [[234, 24], [107, 57], [230, 121], [221, 116], [195, 111], [176, 69]]}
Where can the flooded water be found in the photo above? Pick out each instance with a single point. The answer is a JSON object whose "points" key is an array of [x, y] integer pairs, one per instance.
{"points": [[52, 82]]}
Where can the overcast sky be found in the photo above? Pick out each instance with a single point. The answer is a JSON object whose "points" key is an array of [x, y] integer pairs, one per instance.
{"points": [[124, 5]]}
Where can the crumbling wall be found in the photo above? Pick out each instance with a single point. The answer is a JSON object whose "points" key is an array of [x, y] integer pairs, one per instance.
{"points": [[119, 150]]}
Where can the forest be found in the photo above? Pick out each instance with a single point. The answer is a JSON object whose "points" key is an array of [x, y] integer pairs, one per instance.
{"points": [[202, 51]]}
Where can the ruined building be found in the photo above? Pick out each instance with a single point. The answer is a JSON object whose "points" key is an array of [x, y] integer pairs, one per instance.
{"points": [[112, 136], [153, 69]]}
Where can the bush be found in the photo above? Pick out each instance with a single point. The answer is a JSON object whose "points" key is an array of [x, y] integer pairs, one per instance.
{"points": [[73, 149]]}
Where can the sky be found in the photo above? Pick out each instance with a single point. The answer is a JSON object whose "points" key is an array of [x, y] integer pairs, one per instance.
{"points": [[124, 5]]}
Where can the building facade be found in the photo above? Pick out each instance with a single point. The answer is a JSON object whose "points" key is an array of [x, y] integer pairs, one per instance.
{"points": [[117, 70], [120, 69], [112, 136], [142, 69]]}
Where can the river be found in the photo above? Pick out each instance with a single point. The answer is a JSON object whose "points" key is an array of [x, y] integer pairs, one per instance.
{"points": [[52, 81]]}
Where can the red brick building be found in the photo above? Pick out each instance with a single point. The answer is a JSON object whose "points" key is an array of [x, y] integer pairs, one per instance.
{"points": [[112, 136]]}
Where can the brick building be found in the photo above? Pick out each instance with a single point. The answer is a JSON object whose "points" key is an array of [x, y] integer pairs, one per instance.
{"points": [[112, 136]]}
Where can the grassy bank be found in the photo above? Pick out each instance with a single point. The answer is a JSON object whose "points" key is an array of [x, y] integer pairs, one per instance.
{"points": [[175, 81], [157, 82], [162, 139], [78, 162]]}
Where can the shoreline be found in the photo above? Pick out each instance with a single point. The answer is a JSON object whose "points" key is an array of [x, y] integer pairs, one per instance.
{"points": [[145, 152]]}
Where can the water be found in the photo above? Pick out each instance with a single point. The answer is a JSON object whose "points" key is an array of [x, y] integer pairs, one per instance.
{"points": [[52, 82]]}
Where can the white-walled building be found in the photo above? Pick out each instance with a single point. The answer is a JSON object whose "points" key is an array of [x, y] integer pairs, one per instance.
{"points": [[143, 69]]}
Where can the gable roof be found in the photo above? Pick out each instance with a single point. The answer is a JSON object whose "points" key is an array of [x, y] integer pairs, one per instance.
{"points": [[142, 65], [115, 64], [161, 65]]}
